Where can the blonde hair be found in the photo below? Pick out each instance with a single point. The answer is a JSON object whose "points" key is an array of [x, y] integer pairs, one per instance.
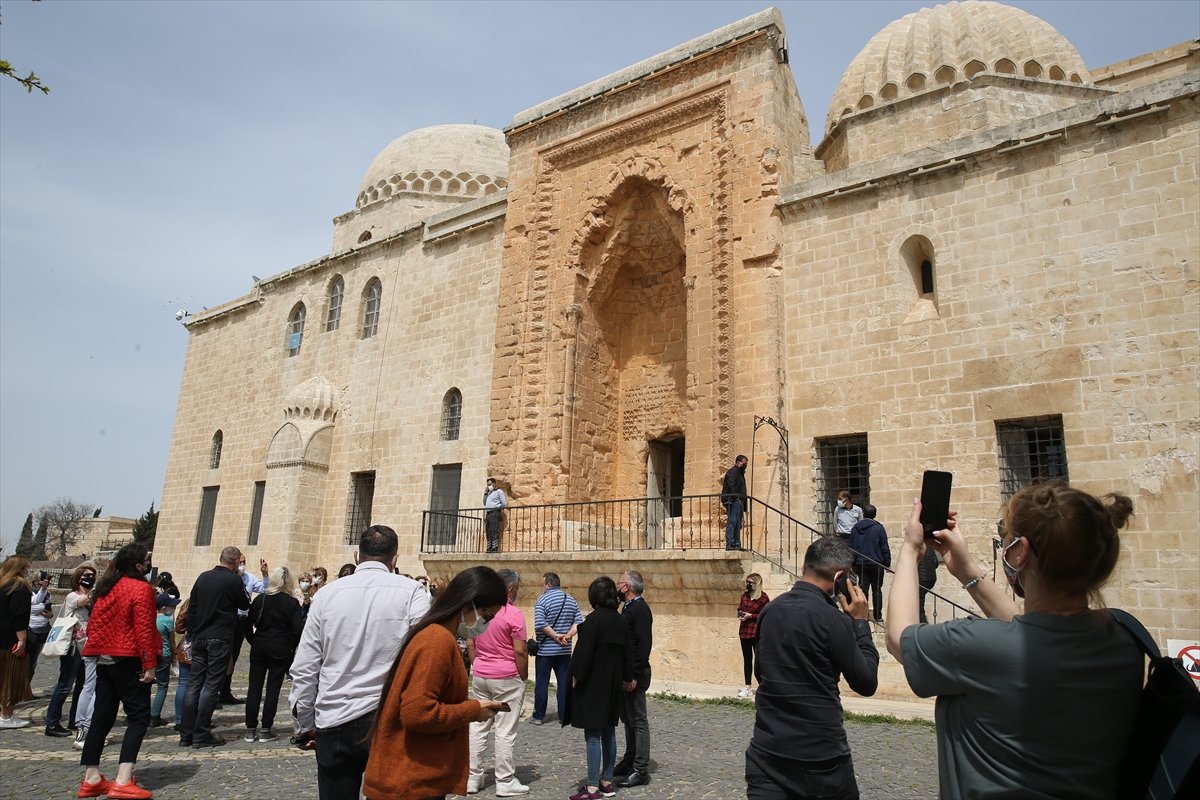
{"points": [[10, 574], [281, 580], [756, 579]]}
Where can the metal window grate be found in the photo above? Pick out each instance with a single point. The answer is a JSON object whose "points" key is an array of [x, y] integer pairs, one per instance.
{"points": [[1031, 450], [333, 317], [358, 505], [214, 455], [451, 415], [841, 463], [260, 491], [295, 330], [371, 302], [208, 512]]}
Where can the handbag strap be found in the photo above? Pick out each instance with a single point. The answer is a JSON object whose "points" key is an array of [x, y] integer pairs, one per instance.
{"points": [[1138, 631], [557, 616]]}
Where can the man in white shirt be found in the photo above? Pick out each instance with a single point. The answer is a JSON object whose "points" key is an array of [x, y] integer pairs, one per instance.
{"points": [[845, 515], [495, 501], [354, 629]]}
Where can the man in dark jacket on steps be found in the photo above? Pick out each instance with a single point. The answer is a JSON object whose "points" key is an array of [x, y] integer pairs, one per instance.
{"points": [[868, 540]]}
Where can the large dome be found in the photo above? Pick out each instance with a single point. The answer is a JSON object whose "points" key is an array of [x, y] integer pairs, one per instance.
{"points": [[950, 43], [448, 160]]}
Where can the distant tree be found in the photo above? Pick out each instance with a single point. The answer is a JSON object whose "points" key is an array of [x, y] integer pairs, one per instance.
{"points": [[96, 513], [145, 527], [25, 543], [64, 516], [39, 540]]}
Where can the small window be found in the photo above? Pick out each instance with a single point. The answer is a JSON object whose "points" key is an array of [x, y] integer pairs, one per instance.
{"points": [[372, 298], [915, 82], [295, 330], [214, 455], [1031, 450], [333, 313], [365, 236], [1006, 67], [358, 505], [1033, 69], [451, 415], [842, 463], [260, 492], [920, 266], [208, 512], [973, 68], [945, 75]]}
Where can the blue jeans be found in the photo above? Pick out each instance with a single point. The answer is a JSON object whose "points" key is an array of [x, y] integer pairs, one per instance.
{"points": [[541, 685], [733, 529], [600, 742], [162, 677], [210, 659], [180, 691], [68, 666]]}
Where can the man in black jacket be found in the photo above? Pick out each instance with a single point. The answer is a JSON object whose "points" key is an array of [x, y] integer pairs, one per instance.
{"points": [[733, 497], [868, 540], [216, 598], [805, 644], [634, 767]]}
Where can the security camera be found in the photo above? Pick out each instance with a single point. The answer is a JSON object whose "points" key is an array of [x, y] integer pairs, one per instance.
{"points": [[180, 314]]}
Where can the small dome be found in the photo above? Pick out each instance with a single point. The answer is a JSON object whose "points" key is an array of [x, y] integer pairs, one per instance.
{"points": [[447, 160], [950, 43], [314, 399]]}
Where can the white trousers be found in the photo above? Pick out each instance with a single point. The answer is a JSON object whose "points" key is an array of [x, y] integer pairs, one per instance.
{"points": [[502, 690]]}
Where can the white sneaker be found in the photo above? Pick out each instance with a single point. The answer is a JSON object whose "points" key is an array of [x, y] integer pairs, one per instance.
{"points": [[744, 692], [473, 785], [511, 788], [251, 735], [13, 722], [80, 738]]}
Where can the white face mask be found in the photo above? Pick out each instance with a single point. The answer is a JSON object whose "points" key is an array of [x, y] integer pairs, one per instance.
{"points": [[304, 585], [466, 631]]}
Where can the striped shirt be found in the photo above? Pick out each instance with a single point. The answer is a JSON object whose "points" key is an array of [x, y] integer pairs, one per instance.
{"points": [[559, 610]]}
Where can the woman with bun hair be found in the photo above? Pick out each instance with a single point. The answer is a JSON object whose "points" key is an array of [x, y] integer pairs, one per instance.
{"points": [[1035, 703]]}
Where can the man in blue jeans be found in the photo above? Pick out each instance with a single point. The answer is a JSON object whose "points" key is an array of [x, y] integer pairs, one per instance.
{"points": [[733, 497], [556, 616], [213, 606]]}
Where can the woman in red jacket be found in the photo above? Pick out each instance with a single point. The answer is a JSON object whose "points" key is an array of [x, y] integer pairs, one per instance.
{"points": [[125, 642]]}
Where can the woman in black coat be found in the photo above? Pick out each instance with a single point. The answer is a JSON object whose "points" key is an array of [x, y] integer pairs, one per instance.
{"points": [[276, 622], [601, 671]]}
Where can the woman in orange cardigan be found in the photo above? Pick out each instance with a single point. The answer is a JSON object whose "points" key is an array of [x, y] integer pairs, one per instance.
{"points": [[419, 749]]}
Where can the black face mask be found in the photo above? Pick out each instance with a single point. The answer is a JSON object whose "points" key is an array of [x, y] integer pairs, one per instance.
{"points": [[87, 581], [749, 587]]}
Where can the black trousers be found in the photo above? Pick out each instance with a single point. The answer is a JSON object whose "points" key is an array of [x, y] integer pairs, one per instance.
{"points": [[271, 670], [118, 684], [769, 777], [342, 758], [871, 580], [749, 652], [210, 658], [492, 521], [235, 652], [637, 731]]}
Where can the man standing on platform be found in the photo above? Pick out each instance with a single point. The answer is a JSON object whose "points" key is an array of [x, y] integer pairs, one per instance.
{"points": [[733, 497], [495, 501], [634, 767]]}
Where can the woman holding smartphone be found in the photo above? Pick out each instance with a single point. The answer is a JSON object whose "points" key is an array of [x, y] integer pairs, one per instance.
{"points": [[1036, 703], [753, 601]]}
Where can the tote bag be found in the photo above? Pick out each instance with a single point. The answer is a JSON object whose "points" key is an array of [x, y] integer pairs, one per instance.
{"points": [[60, 638]]}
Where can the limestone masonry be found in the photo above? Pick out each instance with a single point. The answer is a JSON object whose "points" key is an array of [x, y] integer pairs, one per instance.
{"points": [[987, 266]]}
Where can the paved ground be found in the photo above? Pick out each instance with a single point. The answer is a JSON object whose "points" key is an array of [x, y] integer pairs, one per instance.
{"points": [[697, 752]]}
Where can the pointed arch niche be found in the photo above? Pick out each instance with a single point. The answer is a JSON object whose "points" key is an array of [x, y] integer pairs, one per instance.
{"points": [[631, 347]]}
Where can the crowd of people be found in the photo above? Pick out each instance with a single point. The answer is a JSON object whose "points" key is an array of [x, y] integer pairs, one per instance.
{"points": [[398, 683]]}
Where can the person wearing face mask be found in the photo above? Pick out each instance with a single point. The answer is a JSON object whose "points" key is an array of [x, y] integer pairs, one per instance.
{"points": [[354, 630], [753, 601], [71, 664], [15, 593], [41, 614], [495, 501], [83, 700], [126, 644], [419, 745], [1037, 703]]}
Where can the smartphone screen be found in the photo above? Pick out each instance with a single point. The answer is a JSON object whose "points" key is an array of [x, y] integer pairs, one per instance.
{"points": [[935, 501]]}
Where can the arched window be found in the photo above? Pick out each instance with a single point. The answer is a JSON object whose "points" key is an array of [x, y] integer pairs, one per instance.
{"points": [[919, 263], [295, 330], [214, 456], [451, 415], [333, 313], [372, 298]]}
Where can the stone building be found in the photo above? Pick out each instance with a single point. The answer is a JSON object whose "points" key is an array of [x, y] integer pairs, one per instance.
{"points": [[987, 266]]}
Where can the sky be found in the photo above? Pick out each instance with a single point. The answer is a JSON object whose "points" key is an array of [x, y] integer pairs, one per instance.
{"points": [[186, 146]]}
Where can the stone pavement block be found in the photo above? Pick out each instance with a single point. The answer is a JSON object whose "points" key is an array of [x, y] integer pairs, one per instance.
{"points": [[697, 752]]}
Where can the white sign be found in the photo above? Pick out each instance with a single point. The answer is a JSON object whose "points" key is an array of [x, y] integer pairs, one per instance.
{"points": [[1189, 653]]}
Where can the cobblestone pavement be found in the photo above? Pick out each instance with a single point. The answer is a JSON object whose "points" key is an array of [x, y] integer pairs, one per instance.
{"points": [[696, 749]]}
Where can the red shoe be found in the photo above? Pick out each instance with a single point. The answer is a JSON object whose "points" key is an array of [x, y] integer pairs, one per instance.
{"points": [[94, 789], [128, 791]]}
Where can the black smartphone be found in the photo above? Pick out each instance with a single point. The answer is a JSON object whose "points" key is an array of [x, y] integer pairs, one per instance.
{"points": [[935, 501], [841, 585], [505, 707]]}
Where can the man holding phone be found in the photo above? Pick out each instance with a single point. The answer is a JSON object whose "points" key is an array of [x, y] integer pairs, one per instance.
{"points": [[808, 639]]}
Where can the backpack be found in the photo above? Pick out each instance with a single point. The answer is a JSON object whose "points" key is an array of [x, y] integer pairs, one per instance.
{"points": [[1162, 761]]}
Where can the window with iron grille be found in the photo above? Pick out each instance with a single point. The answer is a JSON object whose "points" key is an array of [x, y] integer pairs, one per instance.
{"points": [[451, 415], [333, 313], [358, 505], [842, 463], [208, 512], [214, 455], [1031, 450], [260, 491], [295, 330], [372, 298]]}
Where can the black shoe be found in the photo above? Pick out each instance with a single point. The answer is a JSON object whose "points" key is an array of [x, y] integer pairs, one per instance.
{"points": [[58, 731], [185, 741], [622, 769], [229, 699], [211, 741], [156, 722], [634, 778]]}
